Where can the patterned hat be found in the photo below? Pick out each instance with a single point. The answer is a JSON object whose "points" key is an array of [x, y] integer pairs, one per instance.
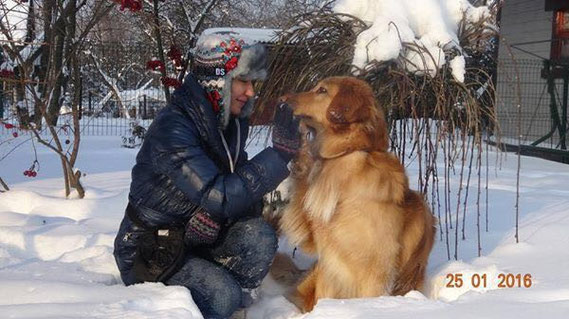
{"points": [[219, 58]]}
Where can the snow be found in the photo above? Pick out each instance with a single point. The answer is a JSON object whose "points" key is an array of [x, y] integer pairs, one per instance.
{"points": [[457, 64], [254, 35], [430, 25], [56, 254]]}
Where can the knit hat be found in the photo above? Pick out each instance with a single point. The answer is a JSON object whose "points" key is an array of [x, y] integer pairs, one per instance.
{"points": [[218, 59]]}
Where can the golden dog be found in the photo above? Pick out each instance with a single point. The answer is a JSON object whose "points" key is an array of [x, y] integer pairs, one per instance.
{"points": [[351, 204]]}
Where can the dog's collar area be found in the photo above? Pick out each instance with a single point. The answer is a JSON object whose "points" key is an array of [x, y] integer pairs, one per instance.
{"points": [[335, 155], [340, 154]]}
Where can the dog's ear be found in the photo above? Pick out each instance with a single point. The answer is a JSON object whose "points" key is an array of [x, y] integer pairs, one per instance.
{"points": [[348, 106], [355, 103]]}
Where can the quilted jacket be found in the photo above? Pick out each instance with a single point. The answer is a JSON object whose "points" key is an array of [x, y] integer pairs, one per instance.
{"points": [[183, 163]]}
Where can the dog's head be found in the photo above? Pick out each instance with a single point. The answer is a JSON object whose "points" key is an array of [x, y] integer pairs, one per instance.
{"points": [[343, 115]]}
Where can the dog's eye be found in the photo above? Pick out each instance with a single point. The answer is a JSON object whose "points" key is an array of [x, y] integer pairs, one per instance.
{"points": [[321, 90]]}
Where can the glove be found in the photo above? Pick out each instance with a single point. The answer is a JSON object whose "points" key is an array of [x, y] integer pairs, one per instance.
{"points": [[201, 229], [286, 136]]}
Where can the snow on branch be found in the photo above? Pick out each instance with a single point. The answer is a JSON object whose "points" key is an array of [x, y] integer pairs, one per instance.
{"points": [[110, 82], [430, 26], [13, 16]]}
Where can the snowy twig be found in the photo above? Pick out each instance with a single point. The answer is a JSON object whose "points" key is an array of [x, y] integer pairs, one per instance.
{"points": [[110, 82], [519, 126], [195, 25]]}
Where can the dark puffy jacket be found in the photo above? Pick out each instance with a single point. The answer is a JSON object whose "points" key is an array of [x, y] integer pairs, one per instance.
{"points": [[183, 163]]}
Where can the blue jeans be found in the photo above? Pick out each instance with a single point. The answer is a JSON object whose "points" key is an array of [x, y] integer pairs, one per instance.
{"points": [[240, 258]]}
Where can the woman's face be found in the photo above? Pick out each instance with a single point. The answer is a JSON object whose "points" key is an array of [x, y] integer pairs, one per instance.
{"points": [[241, 92]]}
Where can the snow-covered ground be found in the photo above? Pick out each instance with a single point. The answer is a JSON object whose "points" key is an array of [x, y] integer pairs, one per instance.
{"points": [[56, 254]]}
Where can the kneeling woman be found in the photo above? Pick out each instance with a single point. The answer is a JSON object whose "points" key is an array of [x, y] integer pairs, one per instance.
{"points": [[193, 217]]}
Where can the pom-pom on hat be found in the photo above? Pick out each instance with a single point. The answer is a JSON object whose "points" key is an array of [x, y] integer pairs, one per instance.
{"points": [[218, 59]]}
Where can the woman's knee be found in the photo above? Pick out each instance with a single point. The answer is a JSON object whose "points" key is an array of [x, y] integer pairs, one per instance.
{"points": [[259, 235], [216, 293], [255, 249], [223, 302]]}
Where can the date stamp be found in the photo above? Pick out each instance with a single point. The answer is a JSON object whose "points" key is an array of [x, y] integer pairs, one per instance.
{"points": [[484, 280]]}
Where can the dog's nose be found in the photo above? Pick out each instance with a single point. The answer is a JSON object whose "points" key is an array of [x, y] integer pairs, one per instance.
{"points": [[283, 105], [287, 99]]}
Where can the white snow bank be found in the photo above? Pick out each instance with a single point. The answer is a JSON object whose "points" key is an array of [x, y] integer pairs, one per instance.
{"points": [[57, 260], [432, 25]]}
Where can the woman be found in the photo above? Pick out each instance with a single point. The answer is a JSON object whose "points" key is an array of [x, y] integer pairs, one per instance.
{"points": [[192, 173]]}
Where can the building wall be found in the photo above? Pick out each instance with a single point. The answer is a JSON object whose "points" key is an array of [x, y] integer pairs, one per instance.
{"points": [[524, 21]]}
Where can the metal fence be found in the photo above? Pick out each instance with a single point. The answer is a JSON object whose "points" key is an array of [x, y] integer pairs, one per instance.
{"points": [[98, 118], [540, 90], [106, 108], [101, 116]]}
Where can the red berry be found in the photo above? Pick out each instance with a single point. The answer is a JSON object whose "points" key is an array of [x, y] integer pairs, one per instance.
{"points": [[26, 173], [15, 134], [155, 64], [8, 126], [34, 174], [6, 73]]}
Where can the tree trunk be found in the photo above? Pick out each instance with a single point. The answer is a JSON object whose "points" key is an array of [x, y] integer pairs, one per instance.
{"points": [[65, 170], [31, 23], [76, 184], [57, 61], [160, 47], [76, 77], [1, 87], [42, 77], [31, 37]]}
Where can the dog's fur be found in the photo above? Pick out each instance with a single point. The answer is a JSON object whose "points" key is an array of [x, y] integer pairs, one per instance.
{"points": [[351, 204]]}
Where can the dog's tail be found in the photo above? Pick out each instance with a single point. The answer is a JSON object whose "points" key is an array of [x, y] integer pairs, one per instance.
{"points": [[412, 274], [284, 271]]}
